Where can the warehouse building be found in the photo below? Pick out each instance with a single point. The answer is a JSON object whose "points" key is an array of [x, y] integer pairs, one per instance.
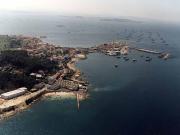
{"points": [[14, 93]]}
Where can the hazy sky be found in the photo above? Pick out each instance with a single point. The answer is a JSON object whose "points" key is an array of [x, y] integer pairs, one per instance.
{"points": [[154, 9]]}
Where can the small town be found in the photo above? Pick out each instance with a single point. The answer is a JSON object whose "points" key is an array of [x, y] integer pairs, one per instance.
{"points": [[89, 67], [57, 74], [48, 70]]}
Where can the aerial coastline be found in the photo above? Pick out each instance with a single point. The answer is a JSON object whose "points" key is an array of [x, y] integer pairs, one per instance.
{"points": [[62, 79]]}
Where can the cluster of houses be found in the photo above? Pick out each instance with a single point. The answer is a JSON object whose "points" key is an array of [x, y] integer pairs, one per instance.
{"points": [[62, 78], [114, 48], [43, 50]]}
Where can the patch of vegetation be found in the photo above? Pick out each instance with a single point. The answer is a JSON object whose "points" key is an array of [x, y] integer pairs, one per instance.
{"points": [[20, 60], [16, 67], [9, 81]]}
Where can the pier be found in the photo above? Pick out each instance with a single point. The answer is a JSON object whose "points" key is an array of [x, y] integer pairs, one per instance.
{"points": [[146, 50]]}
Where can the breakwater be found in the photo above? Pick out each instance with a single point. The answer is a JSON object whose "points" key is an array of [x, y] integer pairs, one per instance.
{"points": [[146, 50]]}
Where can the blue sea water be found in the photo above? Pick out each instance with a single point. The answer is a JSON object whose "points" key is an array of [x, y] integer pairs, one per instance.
{"points": [[139, 98]]}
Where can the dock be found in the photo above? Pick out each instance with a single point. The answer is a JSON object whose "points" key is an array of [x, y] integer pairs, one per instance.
{"points": [[146, 50]]}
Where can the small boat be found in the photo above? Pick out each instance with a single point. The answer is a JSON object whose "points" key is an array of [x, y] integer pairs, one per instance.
{"points": [[164, 56], [118, 57], [148, 59], [134, 60], [115, 65], [126, 59]]}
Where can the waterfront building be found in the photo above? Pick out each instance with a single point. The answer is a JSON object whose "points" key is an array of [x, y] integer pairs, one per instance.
{"points": [[14, 93]]}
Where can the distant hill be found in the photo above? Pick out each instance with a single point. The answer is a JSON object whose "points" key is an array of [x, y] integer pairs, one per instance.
{"points": [[118, 20]]}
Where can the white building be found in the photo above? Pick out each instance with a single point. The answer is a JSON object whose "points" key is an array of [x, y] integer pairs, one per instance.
{"points": [[111, 53], [38, 76], [14, 93]]}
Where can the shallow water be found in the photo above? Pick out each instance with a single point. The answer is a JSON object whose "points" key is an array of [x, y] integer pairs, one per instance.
{"points": [[139, 98]]}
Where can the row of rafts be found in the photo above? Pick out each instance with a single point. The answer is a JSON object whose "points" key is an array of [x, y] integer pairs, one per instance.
{"points": [[149, 35], [147, 59]]}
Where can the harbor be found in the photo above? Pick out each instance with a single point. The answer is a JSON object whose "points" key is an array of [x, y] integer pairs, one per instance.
{"points": [[64, 78], [122, 48], [135, 93]]}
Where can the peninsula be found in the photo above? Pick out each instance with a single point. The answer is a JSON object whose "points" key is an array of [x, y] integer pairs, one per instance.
{"points": [[31, 69]]}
